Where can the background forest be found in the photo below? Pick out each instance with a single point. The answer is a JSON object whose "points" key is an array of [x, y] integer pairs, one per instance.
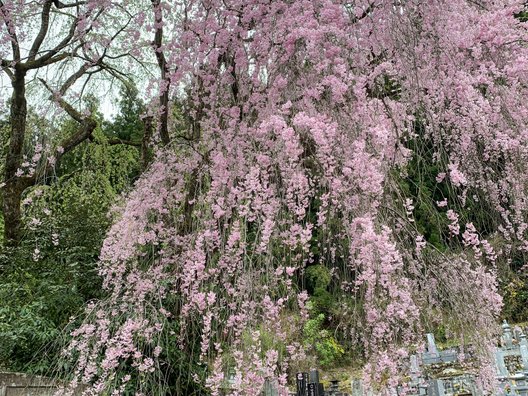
{"points": [[52, 273]]}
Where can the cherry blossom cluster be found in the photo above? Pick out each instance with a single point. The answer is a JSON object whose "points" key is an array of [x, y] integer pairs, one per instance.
{"points": [[299, 117]]}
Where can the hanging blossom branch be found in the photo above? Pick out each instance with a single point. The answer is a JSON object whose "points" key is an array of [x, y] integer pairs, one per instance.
{"points": [[309, 117]]}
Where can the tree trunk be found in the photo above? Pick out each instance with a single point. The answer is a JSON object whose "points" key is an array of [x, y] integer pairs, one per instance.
{"points": [[165, 79], [12, 212], [145, 142], [14, 185]]}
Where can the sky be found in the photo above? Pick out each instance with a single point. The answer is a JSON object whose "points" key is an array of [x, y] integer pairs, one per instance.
{"points": [[37, 95], [107, 94]]}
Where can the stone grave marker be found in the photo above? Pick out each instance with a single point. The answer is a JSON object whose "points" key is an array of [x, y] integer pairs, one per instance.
{"points": [[436, 388], [502, 371], [522, 340], [271, 387], [302, 384], [524, 356], [507, 337]]}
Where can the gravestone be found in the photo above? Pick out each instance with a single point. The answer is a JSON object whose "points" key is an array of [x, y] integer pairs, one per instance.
{"points": [[517, 332], [431, 345], [502, 371], [415, 368], [313, 390], [436, 388], [357, 388], [271, 388], [314, 376], [523, 340], [431, 356], [302, 384], [20, 384], [333, 390], [524, 356], [507, 337], [334, 386]]}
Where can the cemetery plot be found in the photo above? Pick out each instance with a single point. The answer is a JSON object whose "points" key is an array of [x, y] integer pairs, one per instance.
{"points": [[444, 372], [435, 372]]}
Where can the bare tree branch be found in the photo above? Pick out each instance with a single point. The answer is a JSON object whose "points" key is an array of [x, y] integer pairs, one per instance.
{"points": [[61, 5], [45, 16], [122, 141], [49, 61], [86, 127], [46, 59], [63, 104], [50, 57], [74, 77], [12, 34], [7, 71]]}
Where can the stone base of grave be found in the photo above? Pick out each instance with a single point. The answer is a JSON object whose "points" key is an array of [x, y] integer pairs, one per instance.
{"points": [[20, 384]]}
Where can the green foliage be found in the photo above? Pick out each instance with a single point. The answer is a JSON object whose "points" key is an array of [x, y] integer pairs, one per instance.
{"points": [[419, 183], [127, 124], [37, 301], [329, 352], [318, 281], [317, 331], [50, 276], [179, 363], [515, 297], [180, 367], [523, 15]]}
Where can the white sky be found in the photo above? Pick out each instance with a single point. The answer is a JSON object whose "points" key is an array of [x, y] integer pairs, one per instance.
{"points": [[38, 97]]}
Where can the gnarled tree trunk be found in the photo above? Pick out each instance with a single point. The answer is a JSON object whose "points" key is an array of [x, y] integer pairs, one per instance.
{"points": [[15, 185]]}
